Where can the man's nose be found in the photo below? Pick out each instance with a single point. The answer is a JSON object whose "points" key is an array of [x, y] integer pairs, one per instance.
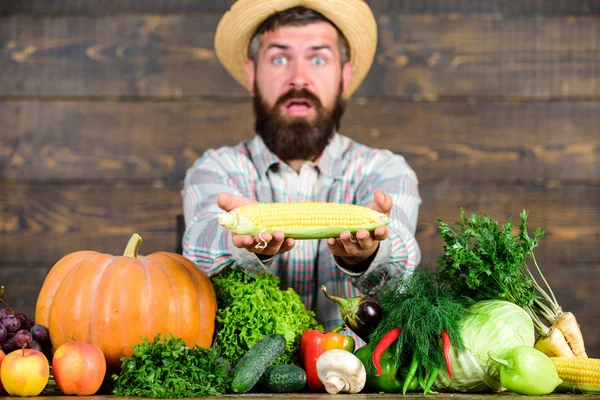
{"points": [[299, 78]]}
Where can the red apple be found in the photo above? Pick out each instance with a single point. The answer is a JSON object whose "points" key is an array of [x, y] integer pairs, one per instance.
{"points": [[78, 368], [24, 372], [1, 358]]}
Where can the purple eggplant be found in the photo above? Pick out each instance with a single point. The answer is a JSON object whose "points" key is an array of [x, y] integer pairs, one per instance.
{"points": [[359, 313]]}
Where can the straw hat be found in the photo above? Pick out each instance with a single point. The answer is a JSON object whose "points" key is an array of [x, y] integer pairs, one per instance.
{"points": [[353, 17]]}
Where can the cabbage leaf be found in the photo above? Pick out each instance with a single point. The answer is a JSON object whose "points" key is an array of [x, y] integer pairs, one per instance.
{"points": [[494, 326]]}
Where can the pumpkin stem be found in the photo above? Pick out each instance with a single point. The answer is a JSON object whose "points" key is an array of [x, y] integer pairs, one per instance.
{"points": [[132, 246]]}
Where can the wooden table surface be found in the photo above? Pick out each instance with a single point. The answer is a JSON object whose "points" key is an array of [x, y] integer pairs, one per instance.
{"points": [[369, 396], [52, 393]]}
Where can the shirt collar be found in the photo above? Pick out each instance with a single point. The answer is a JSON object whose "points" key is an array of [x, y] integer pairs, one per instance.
{"points": [[262, 157], [331, 162]]}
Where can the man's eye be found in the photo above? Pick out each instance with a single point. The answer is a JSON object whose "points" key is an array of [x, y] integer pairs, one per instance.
{"points": [[318, 60], [279, 60]]}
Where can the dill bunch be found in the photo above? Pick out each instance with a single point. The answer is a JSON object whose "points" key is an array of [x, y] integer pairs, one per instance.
{"points": [[422, 308]]}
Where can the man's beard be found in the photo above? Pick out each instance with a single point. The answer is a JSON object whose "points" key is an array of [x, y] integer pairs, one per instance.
{"points": [[296, 138]]}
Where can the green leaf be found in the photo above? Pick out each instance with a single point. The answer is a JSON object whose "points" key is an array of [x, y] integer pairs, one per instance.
{"points": [[253, 307], [170, 369]]}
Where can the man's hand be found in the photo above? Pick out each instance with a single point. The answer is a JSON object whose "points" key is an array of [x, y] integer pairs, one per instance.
{"points": [[362, 248], [275, 244]]}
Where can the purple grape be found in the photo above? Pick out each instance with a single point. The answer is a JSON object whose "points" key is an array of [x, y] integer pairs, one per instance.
{"points": [[25, 320], [11, 323], [34, 344], [9, 345], [4, 312], [22, 337], [40, 333], [3, 333]]}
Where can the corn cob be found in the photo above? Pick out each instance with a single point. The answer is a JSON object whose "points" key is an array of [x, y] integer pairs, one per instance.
{"points": [[302, 220], [578, 374]]}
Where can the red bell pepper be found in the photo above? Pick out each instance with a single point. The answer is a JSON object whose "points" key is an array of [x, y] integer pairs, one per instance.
{"points": [[314, 343]]}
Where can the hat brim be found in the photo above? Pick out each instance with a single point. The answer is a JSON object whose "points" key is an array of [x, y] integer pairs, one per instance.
{"points": [[353, 17]]}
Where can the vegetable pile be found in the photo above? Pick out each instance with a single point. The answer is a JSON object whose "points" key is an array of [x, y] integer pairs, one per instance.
{"points": [[419, 314], [486, 320], [250, 308], [485, 261]]}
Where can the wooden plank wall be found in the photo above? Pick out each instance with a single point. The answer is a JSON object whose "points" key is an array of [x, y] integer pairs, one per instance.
{"points": [[104, 104]]}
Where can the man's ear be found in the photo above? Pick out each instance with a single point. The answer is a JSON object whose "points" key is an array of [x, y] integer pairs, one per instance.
{"points": [[346, 75], [251, 75]]}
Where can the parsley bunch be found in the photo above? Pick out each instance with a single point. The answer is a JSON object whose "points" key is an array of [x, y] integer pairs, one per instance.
{"points": [[484, 260], [170, 369]]}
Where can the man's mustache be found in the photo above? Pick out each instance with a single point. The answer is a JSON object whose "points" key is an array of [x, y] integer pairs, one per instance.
{"points": [[298, 94]]}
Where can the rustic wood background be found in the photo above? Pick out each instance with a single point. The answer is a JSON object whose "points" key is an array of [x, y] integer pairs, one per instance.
{"points": [[104, 104]]}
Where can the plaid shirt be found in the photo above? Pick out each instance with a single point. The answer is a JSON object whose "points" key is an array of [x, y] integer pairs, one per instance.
{"points": [[346, 172]]}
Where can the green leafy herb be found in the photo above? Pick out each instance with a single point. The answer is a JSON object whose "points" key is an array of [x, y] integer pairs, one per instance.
{"points": [[422, 309], [484, 260], [171, 369], [251, 308]]}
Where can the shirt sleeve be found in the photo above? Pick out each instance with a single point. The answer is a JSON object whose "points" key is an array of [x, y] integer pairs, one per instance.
{"points": [[399, 253], [205, 241]]}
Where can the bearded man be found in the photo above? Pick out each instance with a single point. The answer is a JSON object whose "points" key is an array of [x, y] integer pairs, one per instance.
{"points": [[300, 61]]}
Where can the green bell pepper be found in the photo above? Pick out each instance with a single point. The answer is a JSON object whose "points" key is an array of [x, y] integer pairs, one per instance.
{"points": [[526, 370], [392, 376]]}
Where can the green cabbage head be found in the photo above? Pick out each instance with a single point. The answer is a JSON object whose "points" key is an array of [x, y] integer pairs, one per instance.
{"points": [[491, 325]]}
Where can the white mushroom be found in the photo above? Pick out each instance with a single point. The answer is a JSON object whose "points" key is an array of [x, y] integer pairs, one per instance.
{"points": [[341, 371]]}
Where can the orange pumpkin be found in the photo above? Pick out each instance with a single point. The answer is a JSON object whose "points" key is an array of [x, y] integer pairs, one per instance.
{"points": [[112, 301]]}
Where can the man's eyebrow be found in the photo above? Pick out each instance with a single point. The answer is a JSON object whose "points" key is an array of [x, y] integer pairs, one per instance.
{"points": [[321, 47], [278, 46], [286, 47]]}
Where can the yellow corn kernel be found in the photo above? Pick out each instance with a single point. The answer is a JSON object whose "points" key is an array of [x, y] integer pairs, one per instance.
{"points": [[578, 374], [302, 220]]}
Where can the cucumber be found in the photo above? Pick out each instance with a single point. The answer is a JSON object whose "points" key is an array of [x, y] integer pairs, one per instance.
{"points": [[255, 362], [284, 378]]}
